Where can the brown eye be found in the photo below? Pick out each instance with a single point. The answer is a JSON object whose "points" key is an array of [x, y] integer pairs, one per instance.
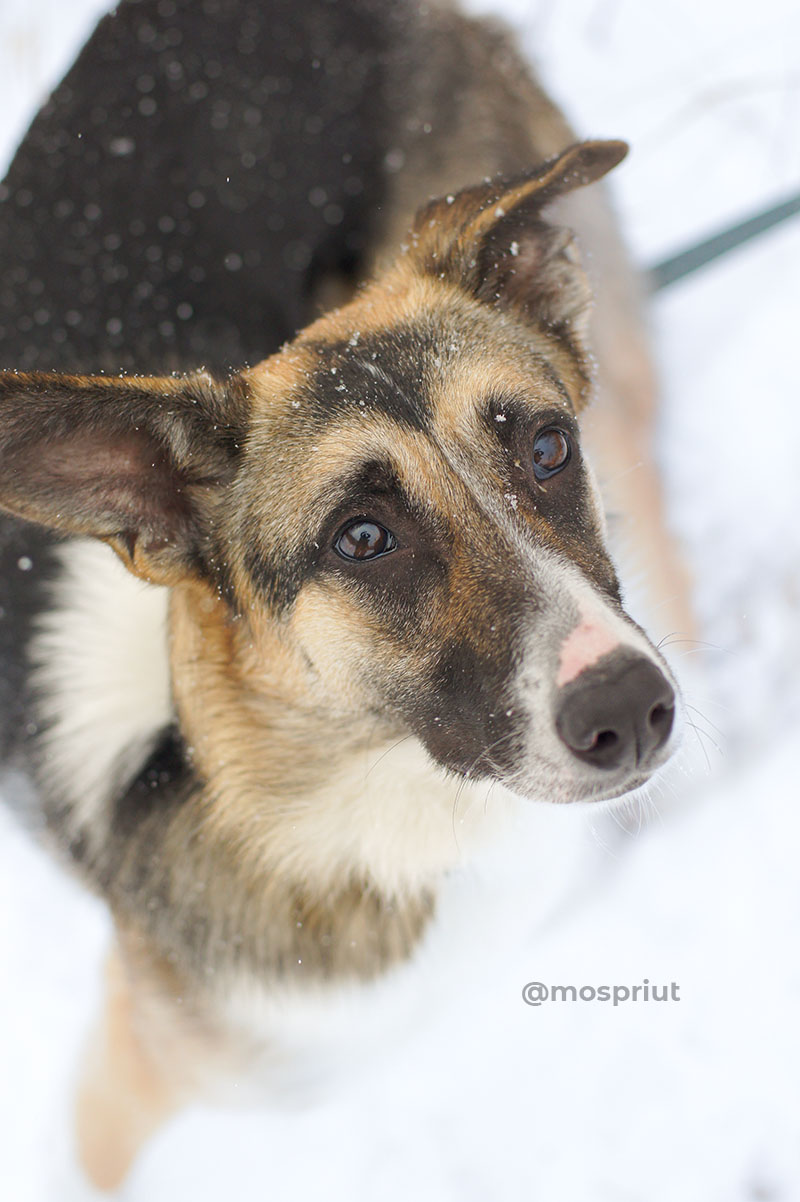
{"points": [[364, 539], [551, 452]]}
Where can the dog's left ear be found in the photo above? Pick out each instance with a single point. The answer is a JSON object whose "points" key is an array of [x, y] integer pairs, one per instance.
{"points": [[133, 461], [493, 241]]}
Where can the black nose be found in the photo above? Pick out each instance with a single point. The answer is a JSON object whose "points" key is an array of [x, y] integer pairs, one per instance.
{"points": [[617, 714]]}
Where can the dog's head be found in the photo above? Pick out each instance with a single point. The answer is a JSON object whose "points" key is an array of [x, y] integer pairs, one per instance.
{"points": [[392, 515]]}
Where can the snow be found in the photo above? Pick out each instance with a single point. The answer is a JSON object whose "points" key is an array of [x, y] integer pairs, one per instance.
{"points": [[476, 1095]]}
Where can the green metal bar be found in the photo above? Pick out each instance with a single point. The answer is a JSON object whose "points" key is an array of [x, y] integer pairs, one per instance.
{"points": [[668, 271]]}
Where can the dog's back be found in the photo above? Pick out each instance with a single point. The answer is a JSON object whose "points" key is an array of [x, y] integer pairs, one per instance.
{"points": [[190, 183]]}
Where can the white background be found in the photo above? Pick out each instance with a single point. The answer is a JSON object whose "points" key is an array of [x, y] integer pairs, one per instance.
{"points": [[482, 1097]]}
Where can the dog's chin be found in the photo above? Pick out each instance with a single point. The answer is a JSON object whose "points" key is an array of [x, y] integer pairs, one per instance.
{"points": [[632, 790], [566, 791], [637, 789], [543, 776]]}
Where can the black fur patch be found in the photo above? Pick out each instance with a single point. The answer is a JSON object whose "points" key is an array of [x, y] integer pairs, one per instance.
{"points": [[376, 493], [196, 170], [27, 570], [376, 373], [160, 785], [464, 714], [276, 578]]}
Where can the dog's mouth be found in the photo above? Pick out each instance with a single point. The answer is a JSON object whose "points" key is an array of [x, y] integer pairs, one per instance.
{"points": [[561, 786], [624, 790]]}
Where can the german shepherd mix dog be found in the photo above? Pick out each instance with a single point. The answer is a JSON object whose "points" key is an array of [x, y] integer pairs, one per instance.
{"points": [[279, 608]]}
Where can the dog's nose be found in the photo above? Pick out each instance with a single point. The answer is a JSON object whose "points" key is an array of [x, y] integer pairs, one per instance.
{"points": [[617, 714]]}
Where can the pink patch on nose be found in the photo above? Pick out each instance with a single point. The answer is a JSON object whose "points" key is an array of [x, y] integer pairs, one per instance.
{"points": [[587, 643]]}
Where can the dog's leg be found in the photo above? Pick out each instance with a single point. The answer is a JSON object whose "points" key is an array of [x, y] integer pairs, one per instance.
{"points": [[124, 1095]]}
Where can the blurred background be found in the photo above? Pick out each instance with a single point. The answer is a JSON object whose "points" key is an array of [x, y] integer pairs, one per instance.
{"points": [[476, 1095]]}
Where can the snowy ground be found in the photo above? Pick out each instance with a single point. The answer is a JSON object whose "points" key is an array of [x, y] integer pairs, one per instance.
{"points": [[486, 1098]]}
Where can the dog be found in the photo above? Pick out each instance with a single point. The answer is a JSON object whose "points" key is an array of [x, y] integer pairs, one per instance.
{"points": [[302, 551]]}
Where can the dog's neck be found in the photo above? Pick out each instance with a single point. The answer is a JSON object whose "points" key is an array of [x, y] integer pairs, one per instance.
{"points": [[325, 797]]}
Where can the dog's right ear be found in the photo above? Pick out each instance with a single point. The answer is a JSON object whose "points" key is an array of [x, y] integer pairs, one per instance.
{"points": [[134, 461], [493, 241]]}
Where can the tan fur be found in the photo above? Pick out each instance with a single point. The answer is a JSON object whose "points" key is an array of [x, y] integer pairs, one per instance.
{"points": [[139, 1068], [318, 828], [503, 119]]}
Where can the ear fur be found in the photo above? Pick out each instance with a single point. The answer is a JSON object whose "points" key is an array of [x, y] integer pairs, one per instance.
{"points": [[133, 461], [492, 239]]}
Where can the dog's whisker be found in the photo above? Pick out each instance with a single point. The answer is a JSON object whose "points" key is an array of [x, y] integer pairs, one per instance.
{"points": [[699, 734], [705, 718], [615, 818], [705, 647], [706, 700], [387, 751], [466, 776], [602, 843], [488, 795], [706, 735]]}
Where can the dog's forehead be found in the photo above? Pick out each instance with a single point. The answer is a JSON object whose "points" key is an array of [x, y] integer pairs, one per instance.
{"points": [[414, 395], [435, 372]]}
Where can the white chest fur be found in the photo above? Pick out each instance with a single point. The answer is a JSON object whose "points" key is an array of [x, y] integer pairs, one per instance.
{"points": [[101, 674]]}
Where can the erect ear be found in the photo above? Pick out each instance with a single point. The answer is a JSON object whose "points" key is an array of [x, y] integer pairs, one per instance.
{"points": [[136, 462], [493, 241]]}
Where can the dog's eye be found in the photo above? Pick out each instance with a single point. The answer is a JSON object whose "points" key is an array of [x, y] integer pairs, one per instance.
{"points": [[364, 539], [551, 452]]}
